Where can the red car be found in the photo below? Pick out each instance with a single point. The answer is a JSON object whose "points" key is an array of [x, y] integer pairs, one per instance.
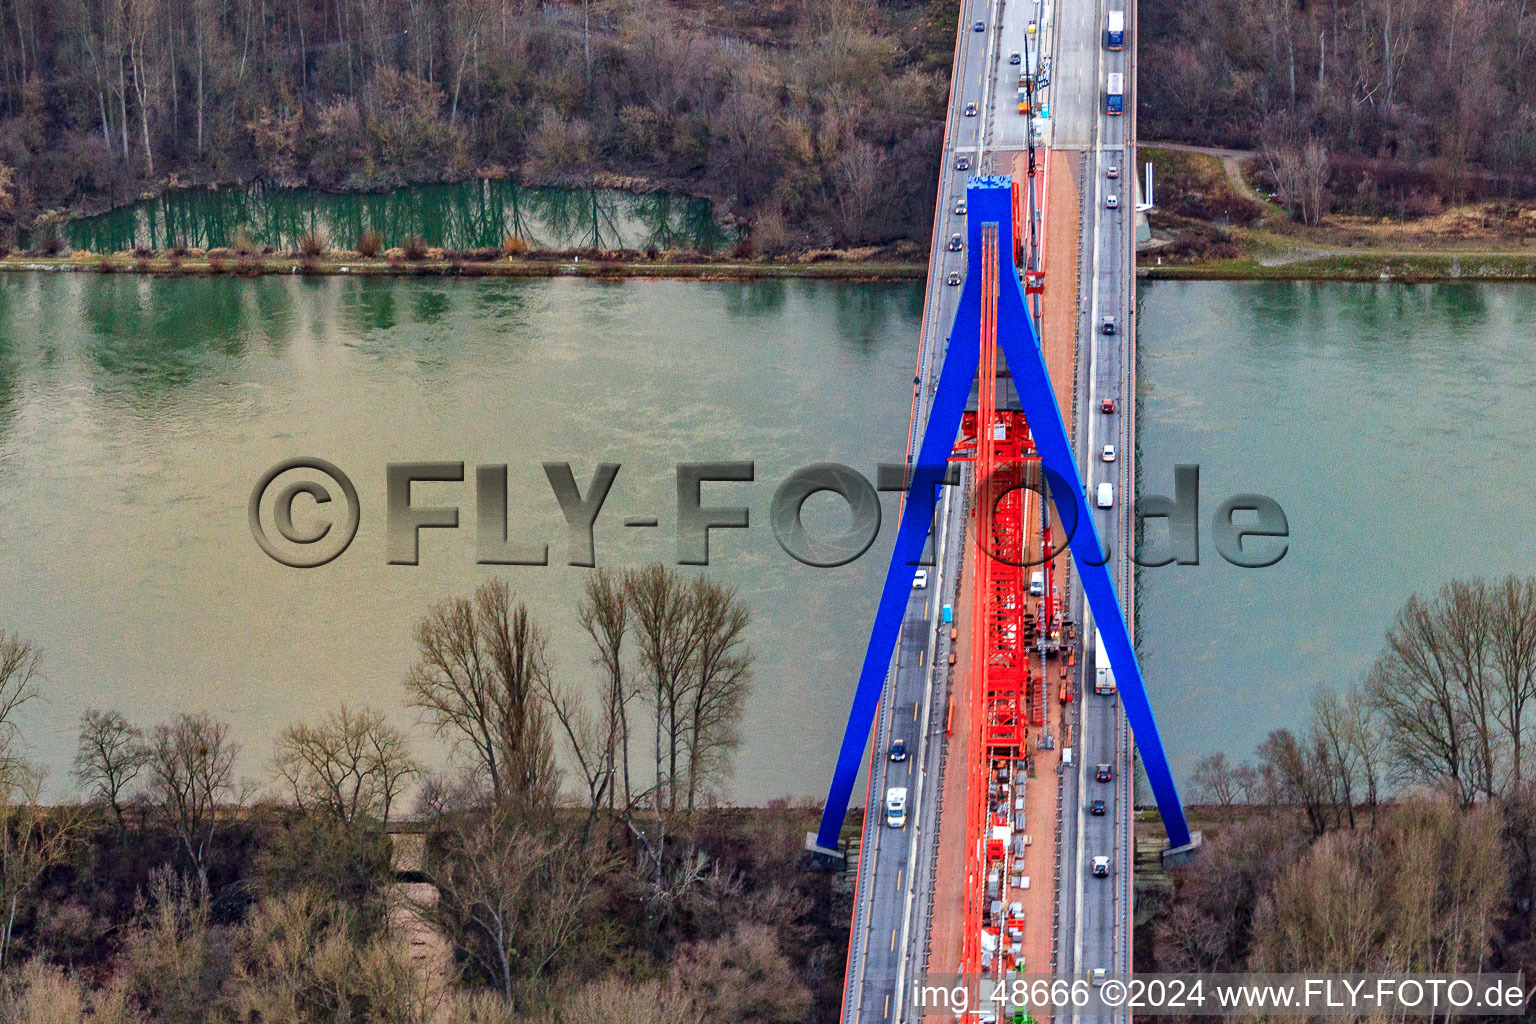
{"points": [[1108, 405]]}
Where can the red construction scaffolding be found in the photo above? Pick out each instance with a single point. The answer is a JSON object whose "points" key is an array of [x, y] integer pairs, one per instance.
{"points": [[1006, 620]]}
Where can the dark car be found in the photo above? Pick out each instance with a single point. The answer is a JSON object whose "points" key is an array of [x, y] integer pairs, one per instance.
{"points": [[1014, 58], [970, 110], [1108, 405], [954, 243], [963, 163], [899, 750], [980, 26], [1109, 325], [1096, 808], [954, 277], [1104, 773]]}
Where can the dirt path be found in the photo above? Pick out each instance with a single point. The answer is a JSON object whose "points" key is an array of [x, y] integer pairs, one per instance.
{"points": [[428, 948], [1231, 162]]}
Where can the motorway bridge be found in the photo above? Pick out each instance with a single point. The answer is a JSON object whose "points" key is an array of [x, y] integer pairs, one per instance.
{"points": [[1018, 777]]}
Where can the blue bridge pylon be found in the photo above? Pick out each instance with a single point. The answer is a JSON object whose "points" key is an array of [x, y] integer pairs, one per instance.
{"points": [[991, 205]]}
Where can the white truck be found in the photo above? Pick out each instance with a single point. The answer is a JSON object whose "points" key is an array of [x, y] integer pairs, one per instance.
{"points": [[896, 806], [1104, 675]]}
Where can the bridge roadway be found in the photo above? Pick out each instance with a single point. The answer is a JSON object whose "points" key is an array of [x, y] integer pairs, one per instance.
{"points": [[887, 948], [1094, 926]]}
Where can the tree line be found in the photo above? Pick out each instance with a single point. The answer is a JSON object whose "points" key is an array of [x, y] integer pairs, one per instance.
{"points": [[819, 120], [1395, 105], [573, 859], [1396, 831]]}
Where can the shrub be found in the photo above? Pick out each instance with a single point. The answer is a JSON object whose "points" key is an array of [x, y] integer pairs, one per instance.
{"points": [[370, 244], [179, 247], [141, 264], [313, 242], [244, 244], [513, 245], [143, 251], [414, 248], [331, 859], [106, 266]]}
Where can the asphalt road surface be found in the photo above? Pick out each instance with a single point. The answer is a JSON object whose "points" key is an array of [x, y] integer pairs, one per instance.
{"points": [[1095, 917]]}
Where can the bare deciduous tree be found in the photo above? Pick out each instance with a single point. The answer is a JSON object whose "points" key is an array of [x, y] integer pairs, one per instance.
{"points": [[33, 838], [110, 756], [667, 632], [604, 614], [353, 765], [722, 681], [1300, 773], [19, 662], [480, 667], [516, 897], [1453, 685], [192, 768], [1216, 780]]}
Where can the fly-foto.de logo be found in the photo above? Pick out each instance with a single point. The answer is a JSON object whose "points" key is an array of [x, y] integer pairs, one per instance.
{"points": [[305, 512]]}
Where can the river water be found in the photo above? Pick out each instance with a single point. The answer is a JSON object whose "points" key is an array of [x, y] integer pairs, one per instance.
{"points": [[136, 414], [1393, 424]]}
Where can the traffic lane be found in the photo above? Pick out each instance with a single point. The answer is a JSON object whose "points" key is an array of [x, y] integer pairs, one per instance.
{"points": [[890, 855], [878, 965]]}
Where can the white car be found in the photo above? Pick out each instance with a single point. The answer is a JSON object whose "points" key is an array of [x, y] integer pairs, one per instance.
{"points": [[1111, 202], [1109, 453], [960, 208], [1106, 496], [1100, 865], [896, 809], [920, 580], [1113, 172]]}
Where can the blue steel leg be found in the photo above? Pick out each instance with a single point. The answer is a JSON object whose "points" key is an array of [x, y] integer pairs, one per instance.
{"points": [[949, 399]]}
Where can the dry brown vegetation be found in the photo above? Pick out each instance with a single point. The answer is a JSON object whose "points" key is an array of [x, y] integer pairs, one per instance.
{"points": [[175, 894]]}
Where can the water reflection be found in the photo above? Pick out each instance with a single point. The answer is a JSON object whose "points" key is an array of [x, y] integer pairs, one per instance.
{"points": [[470, 215]]}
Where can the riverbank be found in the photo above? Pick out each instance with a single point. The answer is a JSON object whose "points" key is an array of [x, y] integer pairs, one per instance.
{"points": [[1403, 268], [829, 264], [1216, 221]]}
